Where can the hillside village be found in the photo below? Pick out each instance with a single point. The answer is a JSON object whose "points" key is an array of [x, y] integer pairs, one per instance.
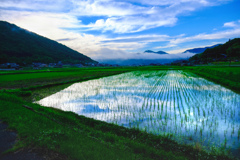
{"points": [[38, 65]]}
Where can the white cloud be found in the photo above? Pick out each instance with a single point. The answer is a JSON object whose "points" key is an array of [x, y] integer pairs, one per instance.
{"points": [[133, 42], [139, 38], [125, 17], [103, 8], [131, 24], [212, 36], [230, 24], [120, 16], [167, 46], [37, 5], [233, 24], [45, 24], [106, 53], [125, 46], [168, 2]]}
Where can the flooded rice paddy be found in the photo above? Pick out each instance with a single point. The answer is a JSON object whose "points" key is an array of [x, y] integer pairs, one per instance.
{"points": [[188, 107]]}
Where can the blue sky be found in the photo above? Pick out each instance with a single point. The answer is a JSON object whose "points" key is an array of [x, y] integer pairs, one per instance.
{"points": [[114, 29]]}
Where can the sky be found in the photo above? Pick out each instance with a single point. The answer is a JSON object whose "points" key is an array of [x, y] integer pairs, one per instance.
{"points": [[115, 29]]}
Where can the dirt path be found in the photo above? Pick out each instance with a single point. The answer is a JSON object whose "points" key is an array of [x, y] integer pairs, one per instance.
{"points": [[7, 138], [7, 141]]}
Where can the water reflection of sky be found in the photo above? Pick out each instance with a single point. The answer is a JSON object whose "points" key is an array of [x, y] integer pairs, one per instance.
{"points": [[158, 102]]}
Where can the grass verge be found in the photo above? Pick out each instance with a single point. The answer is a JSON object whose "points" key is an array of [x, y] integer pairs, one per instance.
{"points": [[227, 76]]}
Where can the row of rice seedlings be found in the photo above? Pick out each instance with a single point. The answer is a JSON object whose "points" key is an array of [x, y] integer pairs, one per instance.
{"points": [[202, 112], [216, 121], [150, 105]]}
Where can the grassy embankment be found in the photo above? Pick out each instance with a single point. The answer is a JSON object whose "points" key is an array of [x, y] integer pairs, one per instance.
{"points": [[78, 137], [233, 63], [226, 76]]}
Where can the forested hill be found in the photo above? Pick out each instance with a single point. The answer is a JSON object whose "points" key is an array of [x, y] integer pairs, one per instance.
{"points": [[225, 52], [199, 50], [20, 46]]}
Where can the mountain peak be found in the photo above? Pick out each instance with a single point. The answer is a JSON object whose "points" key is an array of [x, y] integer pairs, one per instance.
{"points": [[158, 52]]}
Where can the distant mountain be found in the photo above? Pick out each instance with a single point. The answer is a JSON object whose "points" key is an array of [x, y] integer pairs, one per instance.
{"points": [[158, 52], [146, 59], [20, 46], [228, 51], [130, 62], [199, 50]]}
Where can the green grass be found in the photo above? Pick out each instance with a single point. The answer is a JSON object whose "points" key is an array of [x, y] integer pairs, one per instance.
{"points": [[25, 80], [48, 77], [227, 70], [227, 76], [225, 63], [79, 137]]}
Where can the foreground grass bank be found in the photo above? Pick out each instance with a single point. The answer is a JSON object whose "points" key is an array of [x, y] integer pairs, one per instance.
{"points": [[78, 137]]}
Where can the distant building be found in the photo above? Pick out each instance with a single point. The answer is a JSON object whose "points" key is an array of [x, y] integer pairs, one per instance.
{"points": [[52, 64], [9, 66], [43, 65], [59, 64], [78, 65], [39, 65]]}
